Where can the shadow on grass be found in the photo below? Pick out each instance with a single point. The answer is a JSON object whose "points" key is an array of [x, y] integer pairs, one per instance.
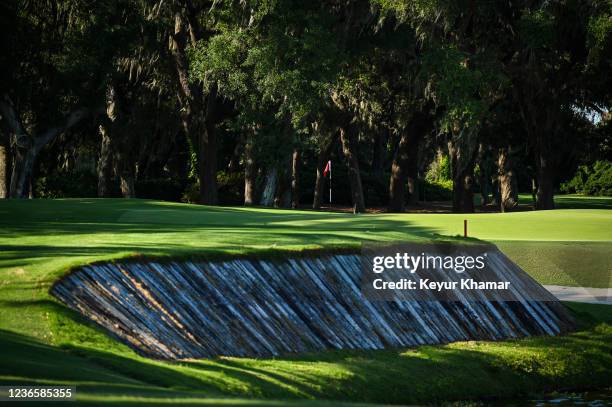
{"points": [[232, 233], [26, 360], [474, 370]]}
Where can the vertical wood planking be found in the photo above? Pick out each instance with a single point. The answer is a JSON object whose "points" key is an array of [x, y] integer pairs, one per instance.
{"points": [[261, 308]]}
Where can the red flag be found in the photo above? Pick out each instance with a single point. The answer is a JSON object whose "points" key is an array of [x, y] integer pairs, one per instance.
{"points": [[327, 168]]}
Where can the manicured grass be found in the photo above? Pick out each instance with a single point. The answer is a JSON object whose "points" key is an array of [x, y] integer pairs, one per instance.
{"points": [[574, 201], [583, 264], [458, 371], [40, 240]]}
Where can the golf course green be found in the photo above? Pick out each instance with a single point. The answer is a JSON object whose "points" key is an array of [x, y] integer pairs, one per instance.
{"points": [[42, 341]]}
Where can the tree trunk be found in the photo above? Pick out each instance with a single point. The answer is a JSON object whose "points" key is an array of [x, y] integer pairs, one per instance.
{"points": [[199, 111], [462, 172], [484, 180], [404, 174], [398, 175], [120, 140], [4, 171], [27, 147], [318, 189], [380, 148], [250, 173], [269, 192], [208, 152], [126, 180], [412, 166], [495, 190], [463, 193], [545, 178], [234, 162], [542, 120], [105, 163], [349, 149], [508, 195], [295, 179], [484, 191], [405, 165], [411, 184], [282, 194], [23, 162], [282, 199], [208, 168], [125, 163]]}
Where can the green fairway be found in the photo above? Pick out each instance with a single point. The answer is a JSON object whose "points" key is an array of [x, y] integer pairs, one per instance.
{"points": [[44, 342]]}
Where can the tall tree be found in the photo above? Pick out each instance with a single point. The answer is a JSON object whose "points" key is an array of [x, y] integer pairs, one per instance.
{"points": [[556, 67], [273, 62], [28, 145], [39, 97], [406, 158], [201, 106]]}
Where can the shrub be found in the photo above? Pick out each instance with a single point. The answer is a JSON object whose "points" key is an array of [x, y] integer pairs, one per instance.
{"points": [[439, 169], [67, 185], [437, 190], [191, 193], [595, 179], [230, 188]]}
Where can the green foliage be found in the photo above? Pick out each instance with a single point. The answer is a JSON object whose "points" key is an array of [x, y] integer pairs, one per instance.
{"points": [[220, 60], [600, 30], [437, 190], [282, 63], [537, 29], [439, 169], [599, 39], [595, 179], [438, 184], [462, 83], [67, 185]]}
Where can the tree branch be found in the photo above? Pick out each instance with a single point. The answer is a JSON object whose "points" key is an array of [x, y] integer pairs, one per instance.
{"points": [[178, 52], [195, 30], [73, 118], [10, 116]]}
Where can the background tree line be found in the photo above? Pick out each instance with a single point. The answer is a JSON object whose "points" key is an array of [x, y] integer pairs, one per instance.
{"points": [[243, 102]]}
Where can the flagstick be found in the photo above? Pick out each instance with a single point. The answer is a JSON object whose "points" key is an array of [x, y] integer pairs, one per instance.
{"points": [[330, 182]]}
